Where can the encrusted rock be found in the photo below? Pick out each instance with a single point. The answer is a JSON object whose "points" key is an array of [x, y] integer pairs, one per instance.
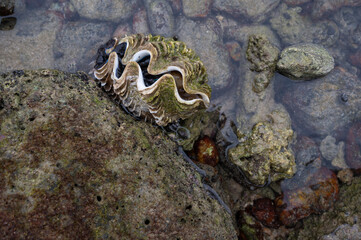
{"points": [[75, 166], [106, 10], [263, 155], [263, 57], [305, 62]]}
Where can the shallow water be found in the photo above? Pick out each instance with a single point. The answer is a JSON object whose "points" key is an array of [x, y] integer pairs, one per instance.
{"points": [[53, 34]]}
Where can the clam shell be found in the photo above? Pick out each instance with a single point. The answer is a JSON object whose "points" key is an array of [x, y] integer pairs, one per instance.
{"points": [[154, 77]]}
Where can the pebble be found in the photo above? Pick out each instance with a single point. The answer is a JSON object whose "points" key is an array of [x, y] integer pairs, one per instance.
{"points": [[106, 10], [160, 17], [345, 176], [234, 50]]}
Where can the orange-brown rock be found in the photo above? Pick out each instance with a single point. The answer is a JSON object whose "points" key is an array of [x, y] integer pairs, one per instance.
{"points": [[318, 194], [206, 151]]}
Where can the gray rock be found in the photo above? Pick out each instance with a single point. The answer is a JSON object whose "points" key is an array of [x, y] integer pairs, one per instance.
{"points": [[160, 17], [140, 24], [29, 45], [323, 7], [242, 33], [77, 167], [198, 8], [335, 153], [305, 62], [293, 28], [254, 10], [106, 10], [77, 44], [203, 37], [326, 104]]}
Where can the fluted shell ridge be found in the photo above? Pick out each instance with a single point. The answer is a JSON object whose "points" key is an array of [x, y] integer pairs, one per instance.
{"points": [[154, 77]]}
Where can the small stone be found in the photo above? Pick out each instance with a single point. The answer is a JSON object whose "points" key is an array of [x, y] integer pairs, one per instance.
{"points": [[264, 210], [122, 30], [206, 151], [160, 17], [106, 10], [355, 59], [305, 62], [329, 148], [7, 23], [345, 176], [7, 7], [234, 50]]}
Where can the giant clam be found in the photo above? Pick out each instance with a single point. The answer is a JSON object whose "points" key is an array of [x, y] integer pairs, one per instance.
{"points": [[153, 77]]}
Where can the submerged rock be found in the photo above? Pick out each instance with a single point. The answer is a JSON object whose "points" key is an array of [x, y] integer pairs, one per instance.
{"points": [[77, 43], [263, 126], [346, 210], [199, 8], [326, 104], [106, 10], [254, 10], [29, 45], [203, 36], [318, 194], [263, 155], [74, 165], [160, 17], [305, 62]]}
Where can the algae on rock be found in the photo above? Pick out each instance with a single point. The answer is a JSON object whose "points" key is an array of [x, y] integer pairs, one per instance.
{"points": [[74, 165]]}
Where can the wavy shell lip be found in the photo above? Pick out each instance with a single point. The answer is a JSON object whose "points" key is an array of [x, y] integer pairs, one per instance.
{"points": [[155, 77]]}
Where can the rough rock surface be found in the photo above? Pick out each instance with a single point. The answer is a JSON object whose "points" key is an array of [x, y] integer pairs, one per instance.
{"points": [[106, 10], [305, 61], [199, 8], [74, 166]]}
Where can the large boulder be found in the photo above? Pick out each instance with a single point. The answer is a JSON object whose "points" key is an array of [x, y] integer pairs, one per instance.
{"points": [[74, 166]]}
